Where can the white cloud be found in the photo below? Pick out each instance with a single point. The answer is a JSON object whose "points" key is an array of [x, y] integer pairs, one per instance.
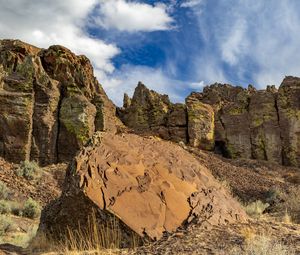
{"points": [[257, 40], [235, 43], [44, 23], [60, 22], [133, 16], [191, 3]]}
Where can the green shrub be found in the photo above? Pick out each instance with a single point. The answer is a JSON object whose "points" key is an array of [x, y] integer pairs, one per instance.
{"points": [[31, 209], [4, 191], [5, 224], [273, 196], [29, 170], [256, 209], [4, 207], [16, 208]]}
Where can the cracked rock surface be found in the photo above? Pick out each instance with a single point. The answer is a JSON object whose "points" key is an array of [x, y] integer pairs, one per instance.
{"points": [[152, 186]]}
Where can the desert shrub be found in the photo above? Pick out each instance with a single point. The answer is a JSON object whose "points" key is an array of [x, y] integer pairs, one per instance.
{"points": [[5, 224], [262, 245], [4, 207], [273, 196], [4, 191], [16, 208], [31, 209], [290, 204], [256, 209], [29, 170]]}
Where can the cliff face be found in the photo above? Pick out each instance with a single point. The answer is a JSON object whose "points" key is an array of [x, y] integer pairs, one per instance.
{"points": [[234, 121], [51, 103]]}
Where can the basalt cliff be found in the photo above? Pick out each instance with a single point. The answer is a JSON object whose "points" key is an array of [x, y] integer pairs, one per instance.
{"points": [[233, 121], [50, 103]]}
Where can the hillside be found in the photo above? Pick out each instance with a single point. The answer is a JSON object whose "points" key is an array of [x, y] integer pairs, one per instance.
{"points": [[216, 175]]}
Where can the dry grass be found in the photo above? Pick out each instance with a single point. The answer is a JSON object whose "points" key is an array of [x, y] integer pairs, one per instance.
{"points": [[93, 239], [256, 209], [291, 204], [287, 218], [260, 245]]}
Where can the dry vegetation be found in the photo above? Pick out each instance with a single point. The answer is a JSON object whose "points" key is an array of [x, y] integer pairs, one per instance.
{"points": [[262, 245], [94, 239]]}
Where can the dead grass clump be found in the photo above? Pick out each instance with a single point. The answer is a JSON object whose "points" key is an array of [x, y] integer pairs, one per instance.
{"points": [[260, 244], [93, 239], [285, 204], [4, 191], [5, 224], [290, 204], [256, 209], [287, 218]]}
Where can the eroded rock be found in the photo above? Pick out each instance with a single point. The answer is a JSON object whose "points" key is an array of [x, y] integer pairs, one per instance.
{"points": [[152, 113], [289, 119], [152, 186], [36, 88], [201, 123]]}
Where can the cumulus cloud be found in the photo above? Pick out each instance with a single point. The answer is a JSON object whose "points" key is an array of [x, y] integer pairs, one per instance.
{"points": [[60, 22], [43, 23], [131, 16]]}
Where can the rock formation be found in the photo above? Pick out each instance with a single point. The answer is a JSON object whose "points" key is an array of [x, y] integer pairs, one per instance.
{"points": [[50, 103], [200, 123], [288, 105], [152, 113], [152, 186], [234, 121]]}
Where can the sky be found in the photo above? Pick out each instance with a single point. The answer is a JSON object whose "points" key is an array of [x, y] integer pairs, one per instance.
{"points": [[172, 46]]}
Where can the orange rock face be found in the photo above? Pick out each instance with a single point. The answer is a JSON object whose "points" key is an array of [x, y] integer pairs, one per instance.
{"points": [[152, 186]]}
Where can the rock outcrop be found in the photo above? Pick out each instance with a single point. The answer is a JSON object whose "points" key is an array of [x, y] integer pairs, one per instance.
{"points": [[234, 121], [152, 113], [200, 123], [152, 186], [289, 120], [50, 103]]}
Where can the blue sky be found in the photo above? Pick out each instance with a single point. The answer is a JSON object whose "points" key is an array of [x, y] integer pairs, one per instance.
{"points": [[173, 46]]}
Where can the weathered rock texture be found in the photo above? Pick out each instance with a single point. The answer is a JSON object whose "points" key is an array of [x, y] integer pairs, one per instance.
{"points": [[200, 123], [50, 103], [152, 186], [234, 121], [153, 113]]}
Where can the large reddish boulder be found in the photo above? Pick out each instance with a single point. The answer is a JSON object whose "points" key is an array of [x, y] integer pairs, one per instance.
{"points": [[152, 186]]}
